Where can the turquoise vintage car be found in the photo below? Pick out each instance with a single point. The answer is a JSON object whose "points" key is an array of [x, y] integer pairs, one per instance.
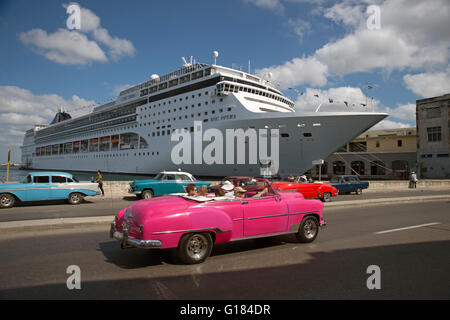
{"points": [[41, 186], [164, 183]]}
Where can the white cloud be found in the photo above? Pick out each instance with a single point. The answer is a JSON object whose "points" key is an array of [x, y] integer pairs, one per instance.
{"points": [[118, 48], [278, 4], [429, 84], [405, 112], [64, 46], [408, 40], [266, 4], [401, 116], [354, 97], [298, 71], [367, 50], [347, 13], [74, 47], [20, 110], [389, 124], [300, 27], [119, 88]]}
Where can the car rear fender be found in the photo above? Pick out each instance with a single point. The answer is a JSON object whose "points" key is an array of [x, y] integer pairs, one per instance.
{"points": [[301, 208], [194, 220]]}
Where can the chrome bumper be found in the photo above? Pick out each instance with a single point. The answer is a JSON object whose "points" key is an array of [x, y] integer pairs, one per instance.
{"points": [[133, 191], [130, 242]]}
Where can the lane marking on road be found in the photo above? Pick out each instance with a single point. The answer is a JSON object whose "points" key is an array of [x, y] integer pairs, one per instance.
{"points": [[408, 228]]}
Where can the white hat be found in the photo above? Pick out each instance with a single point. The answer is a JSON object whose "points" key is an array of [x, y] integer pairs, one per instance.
{"points": [[227, 186]]}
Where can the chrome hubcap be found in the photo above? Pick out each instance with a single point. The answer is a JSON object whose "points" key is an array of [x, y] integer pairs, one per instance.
{"points": [[197, 246], [5, 200], [310, 229]]}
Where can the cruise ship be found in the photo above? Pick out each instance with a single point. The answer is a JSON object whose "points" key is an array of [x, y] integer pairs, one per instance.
{"points": [[144, 130]]}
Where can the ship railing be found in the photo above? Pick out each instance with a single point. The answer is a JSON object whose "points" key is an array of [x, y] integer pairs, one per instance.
{"points": [[166, 77]]}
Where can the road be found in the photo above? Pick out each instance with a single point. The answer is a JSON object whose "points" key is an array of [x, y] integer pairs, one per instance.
{"points": [[98, 206], [414, 262]]}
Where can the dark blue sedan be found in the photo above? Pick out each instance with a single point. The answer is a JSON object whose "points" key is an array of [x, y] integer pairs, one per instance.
{"points": [[348, 184]]}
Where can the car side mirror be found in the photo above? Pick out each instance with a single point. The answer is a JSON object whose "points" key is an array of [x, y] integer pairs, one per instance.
{"points": [[277, 197]]}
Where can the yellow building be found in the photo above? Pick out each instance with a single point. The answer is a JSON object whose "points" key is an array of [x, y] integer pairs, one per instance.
{"points": [[377, 154], [388, 140]]}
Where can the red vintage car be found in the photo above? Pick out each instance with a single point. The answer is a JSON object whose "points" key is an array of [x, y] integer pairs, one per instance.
{"points": [[322, 191]]}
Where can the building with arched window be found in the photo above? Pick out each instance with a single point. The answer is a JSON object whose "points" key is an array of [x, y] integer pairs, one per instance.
{"points": [[377, 154]]}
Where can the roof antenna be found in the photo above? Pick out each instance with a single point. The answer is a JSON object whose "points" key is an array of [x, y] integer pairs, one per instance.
{"points": [[185, 63]]}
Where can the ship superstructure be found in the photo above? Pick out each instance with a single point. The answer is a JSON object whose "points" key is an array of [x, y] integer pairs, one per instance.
{"points": [[134, 133]]}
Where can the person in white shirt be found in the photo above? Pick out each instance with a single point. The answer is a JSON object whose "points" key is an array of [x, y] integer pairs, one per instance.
{"points": [[414, 180], [228, 187]]}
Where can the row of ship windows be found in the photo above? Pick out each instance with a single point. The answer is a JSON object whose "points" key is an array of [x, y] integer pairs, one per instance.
{"points": [[133, 118], [119, 112], [115, 155], [225, 87], [199, 114], [123, 141], [213, 112], [213, 101], [179, 100], [120, 142], [174, 82], [90, 128]]}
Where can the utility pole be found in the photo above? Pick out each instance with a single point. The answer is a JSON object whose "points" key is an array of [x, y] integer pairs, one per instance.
{"points": [[7, 166]]}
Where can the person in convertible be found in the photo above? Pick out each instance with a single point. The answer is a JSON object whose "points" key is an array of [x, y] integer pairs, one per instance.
{"points": [[240, 192]]}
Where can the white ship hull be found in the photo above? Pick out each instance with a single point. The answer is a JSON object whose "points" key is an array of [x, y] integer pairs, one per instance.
{"points": [[302, 137]]}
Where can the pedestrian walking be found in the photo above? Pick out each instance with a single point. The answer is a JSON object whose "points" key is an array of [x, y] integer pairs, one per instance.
{"points": [[413, 181], [99, 180]]}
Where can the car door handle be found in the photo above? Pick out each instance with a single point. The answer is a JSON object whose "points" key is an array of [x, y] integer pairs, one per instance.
{"points": [[245, 202]]}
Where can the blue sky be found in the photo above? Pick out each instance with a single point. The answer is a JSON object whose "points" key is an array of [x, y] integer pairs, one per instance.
{"points": [[317, 47]]}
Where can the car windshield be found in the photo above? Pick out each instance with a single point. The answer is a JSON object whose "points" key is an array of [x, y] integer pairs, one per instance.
{"points": [[334, 179], [256, 186], [27, 179], [247, 182], [159, 176], [75, 179]]}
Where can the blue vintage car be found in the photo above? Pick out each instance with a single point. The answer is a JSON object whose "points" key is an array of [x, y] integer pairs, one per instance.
{"points": [[164, 183], [348, 184], [40, 186]]}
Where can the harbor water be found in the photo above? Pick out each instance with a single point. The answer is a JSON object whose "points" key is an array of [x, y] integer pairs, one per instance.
{"points": [[16, 174]]}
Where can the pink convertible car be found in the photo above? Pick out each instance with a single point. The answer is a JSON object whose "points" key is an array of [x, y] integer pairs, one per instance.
{"points": [[192, 225]]}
